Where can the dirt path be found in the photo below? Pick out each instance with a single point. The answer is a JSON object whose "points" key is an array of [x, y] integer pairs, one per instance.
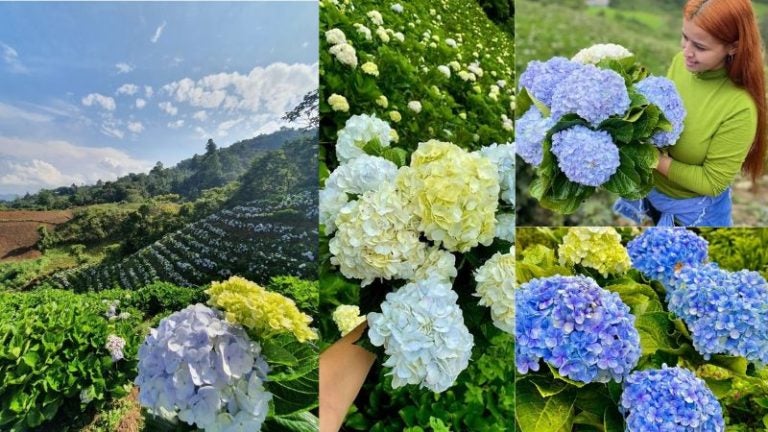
{"points": [[750, 207], [18, 231]]}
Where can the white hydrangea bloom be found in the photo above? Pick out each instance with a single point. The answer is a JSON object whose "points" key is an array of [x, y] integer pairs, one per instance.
{"points": [[397, 7], [445, 70], [365, 31], [504, 157], [376, 237], [331, 202], [347, 318], [467, 76], [382, 34], [335, 36], [399, 36], [451, 42], [598, 52], [496, 288], [475, 68], [345, 53], [422, 330], [375, 17], [358, 131], [414, 106], [362, 174], [439, 264], [456, 66], [505, 227]]}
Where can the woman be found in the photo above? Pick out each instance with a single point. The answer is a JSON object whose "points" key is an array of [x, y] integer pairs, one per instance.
{"points": [[719, 75]]}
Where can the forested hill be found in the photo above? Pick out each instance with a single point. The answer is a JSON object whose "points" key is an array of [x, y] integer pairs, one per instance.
{"points": [[215, 167]]}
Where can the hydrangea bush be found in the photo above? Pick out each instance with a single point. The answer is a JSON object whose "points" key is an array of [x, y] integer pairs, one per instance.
{"points": [[685, 311], [593, 122]]}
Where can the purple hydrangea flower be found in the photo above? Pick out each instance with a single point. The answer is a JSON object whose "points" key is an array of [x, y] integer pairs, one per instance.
{"points": [[541, 78], [658, 252], [591, 92], [532, 127], [668, 400], [662, 92], [583, 330], [726, 312], [585, 156]]}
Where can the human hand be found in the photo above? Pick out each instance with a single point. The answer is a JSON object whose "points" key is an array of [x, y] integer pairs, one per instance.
{"points": [[664, 162]]}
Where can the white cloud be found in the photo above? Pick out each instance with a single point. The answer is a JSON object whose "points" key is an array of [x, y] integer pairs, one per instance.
{"points": [[106, 102], [224, 127], [140, 103], [305, 44], [28, 165], [11, 59], [148, 91], [135, 127], [168, 108], [158, 32], [110, 130], [123, 68], [177, 124], [200, 115], [128, 89], [10, 112]]}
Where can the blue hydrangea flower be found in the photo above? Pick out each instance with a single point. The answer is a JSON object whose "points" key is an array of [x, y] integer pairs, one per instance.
{"points": [[591, 92], [662, 92], [671, 399], [198, 367], [726, 312], [585, 156], [658, 252], [532, 127], [541, 78], [583, 330], [423, 333]]}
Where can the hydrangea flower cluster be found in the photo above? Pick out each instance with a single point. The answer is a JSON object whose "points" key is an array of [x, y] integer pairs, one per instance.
{"points": [[358, 131], [659, 252], [205, 371], [586, 156], [503, 155], [662, 92], [496, 288], [670, 399], [532, 128], [347, 318], [596, 248], [541, 78], [599, 52], [438, 263], [583, 330], [591, 92], [505, 227], [423, 333], [454, 194], [726, 312], [115, 345], [376, 237], [267, 313]]}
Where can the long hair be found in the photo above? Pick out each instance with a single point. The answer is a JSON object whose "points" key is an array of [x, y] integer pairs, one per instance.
{"points": [[733, 21]]}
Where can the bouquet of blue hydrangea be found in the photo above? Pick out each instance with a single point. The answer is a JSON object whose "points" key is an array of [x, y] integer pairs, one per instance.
{"points": [[591, 122]]}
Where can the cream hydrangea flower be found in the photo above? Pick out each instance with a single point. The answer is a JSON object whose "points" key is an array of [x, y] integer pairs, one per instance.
{"points": [[376, 238], [454, 194], [445, 70], [456, 66], [503, 155], [382, 34], [393, 136], [598, 52], [496, 288], [345, 53], [467, 76], [395, 116], [382, 101], [463, 115], [331, 200], [338, 103], [439, 264], [596, 248], [335, 36], [475, 68], [267, 313], [399, 36], [358, 131], [414, 106], [397, 7], [347, 318], [370, 68], [376, 17], [505, 227], [365, 31], [451, 43]]}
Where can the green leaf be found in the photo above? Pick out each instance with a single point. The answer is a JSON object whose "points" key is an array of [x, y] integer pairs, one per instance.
{"points": [[654, 329], [294, 389], [395, 155], [548, 387], [737, 365], [31, 358], [301, 422], [720, 388], [537, 414], [639, 297], [557, 376], [634, 177], [612, 420]]}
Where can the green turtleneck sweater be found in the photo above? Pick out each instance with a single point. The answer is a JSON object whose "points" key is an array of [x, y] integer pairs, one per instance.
{"points": [[718, 131]]}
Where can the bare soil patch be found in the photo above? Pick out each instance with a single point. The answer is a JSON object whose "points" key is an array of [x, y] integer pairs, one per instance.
{"points": [[18, 231]]}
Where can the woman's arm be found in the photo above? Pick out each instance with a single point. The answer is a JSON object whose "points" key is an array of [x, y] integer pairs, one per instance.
{"points": [[343, 368]]}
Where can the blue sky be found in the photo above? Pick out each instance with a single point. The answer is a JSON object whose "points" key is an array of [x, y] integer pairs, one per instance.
{"points": [[93, 91]]}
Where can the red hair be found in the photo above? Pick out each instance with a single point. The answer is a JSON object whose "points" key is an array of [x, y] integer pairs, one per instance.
{"points": [[733, 21]]}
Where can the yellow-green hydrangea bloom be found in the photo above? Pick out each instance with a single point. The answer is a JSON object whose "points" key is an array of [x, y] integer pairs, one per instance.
{"points": [[265, 312], [395, 116], [596, 248], [347, 318], [338, 103], [453, 193], [382, 101], [370, 68]]}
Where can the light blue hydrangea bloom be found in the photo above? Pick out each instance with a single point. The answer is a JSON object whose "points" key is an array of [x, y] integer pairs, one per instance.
{"points": [[726, 312], [423, 333], [591, 92], [658, 252], [671, 399], [203, 370], [583, 330], [662, 92], [532, 127], [503, 155], [586, 156], [541, 78]]}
